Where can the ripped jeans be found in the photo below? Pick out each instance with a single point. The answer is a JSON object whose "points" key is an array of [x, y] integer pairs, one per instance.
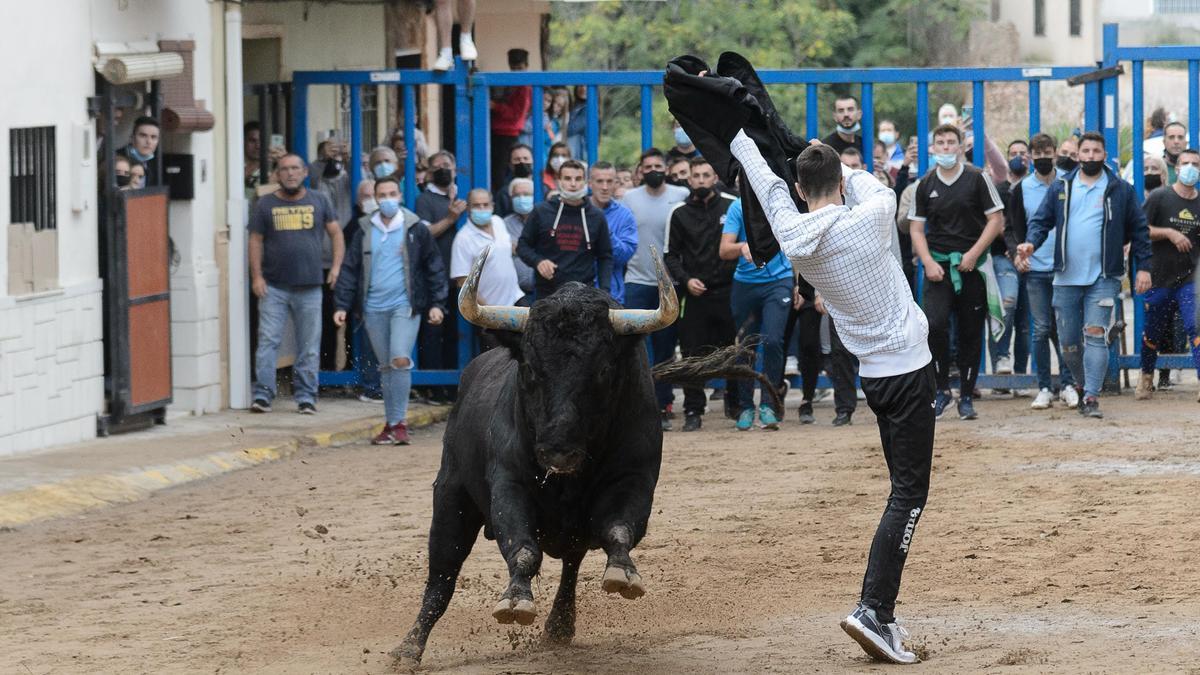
{"points": [[393, 334], [1085, 313]]}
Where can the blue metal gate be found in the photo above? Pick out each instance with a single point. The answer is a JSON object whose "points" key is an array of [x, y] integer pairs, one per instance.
{"points": [[472, 128]]}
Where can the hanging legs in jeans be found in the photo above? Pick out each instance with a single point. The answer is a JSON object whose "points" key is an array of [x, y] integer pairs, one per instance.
{"points": [[762, 309], [1161, 305], [393, 335], [1085, 314], [1045, 330], [303, 305], [1009, 282], [969, 307]]}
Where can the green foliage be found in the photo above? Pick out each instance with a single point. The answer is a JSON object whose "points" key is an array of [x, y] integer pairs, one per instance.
{"points": [[621, 35]]}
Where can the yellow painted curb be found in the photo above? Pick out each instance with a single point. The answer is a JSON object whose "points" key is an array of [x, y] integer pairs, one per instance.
{"points": [[84, 493]]}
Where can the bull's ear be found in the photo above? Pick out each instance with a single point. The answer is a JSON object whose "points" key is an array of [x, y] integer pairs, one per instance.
{"points": [[509, 340]]}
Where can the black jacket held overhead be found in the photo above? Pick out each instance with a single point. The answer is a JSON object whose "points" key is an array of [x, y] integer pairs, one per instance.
{"points": [[694, 242], [713, 109]]}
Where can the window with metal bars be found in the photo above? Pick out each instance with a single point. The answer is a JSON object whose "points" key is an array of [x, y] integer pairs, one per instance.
{"points": [[32, 188], [370, 115]]}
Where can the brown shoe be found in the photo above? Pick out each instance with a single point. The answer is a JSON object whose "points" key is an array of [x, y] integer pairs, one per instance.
{"points": [[385, 437], [1145, 388], [400, 434]]}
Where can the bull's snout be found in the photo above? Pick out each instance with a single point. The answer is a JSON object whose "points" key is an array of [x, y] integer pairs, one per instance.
{"points": [[557, 459]]}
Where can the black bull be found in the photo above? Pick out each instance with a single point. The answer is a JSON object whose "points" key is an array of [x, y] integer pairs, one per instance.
{"points": [[553, 447]]}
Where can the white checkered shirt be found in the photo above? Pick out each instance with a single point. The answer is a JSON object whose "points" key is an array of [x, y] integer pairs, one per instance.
{"points": [[845, 253]]}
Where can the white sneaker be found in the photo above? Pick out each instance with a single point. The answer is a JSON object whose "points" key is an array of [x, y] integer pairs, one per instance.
{"points": [[1043, 401], [1021, 393], [1070, 397], [791, 366], [884, 642], [1004, 365], [466, 47], [445, 61]]}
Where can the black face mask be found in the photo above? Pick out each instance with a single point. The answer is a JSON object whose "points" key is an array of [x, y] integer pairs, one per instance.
{"points": [[701, 194], [1092, 167], [442, 177], [332, 168], [1066, 163], [677, 181], [123, 181], [1151, 181], [522, 170], [654, 179], [1043, 165]]}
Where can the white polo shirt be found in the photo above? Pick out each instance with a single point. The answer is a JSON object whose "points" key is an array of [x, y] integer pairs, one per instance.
{"points": [[498, 283]]}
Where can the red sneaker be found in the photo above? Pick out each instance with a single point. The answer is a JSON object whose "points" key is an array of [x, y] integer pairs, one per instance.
{"points": [[385, 437], [400, 434]]}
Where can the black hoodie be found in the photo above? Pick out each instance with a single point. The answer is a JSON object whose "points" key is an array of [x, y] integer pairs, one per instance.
{"points": [[554, 231]]}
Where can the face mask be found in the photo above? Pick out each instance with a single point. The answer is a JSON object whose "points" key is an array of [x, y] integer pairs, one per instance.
{"points": [[654, 179], [681, 182], [1092, 167], [1065, 163], [1043, 165], [681, 137], [946, 161], [948, 119], [557, 161], [389, 207], [332, 169], [481, 217], [133, 151], [701, 194], [573, 194], [523, 204], [522, 170], [1017, 166], [384, 169], [442, 177], [369, 205], [1152, 181], [1189, 174], [123, 181], [850, 130], [888, 137]]}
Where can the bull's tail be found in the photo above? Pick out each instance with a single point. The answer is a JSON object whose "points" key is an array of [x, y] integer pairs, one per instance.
{"points": [[735, 362]]}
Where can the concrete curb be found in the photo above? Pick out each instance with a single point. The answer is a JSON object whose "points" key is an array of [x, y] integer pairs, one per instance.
{"points": [[76, 495]]}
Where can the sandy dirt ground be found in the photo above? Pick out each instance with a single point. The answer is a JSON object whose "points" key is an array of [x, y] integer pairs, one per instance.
{"points": [[1050, 543]]}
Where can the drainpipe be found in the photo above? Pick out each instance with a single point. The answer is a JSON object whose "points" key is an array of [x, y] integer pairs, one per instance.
{"points": [[239, 319]]}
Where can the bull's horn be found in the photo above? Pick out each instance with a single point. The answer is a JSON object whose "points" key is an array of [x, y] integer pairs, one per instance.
{"points": [[499, 317], [636, 321]]}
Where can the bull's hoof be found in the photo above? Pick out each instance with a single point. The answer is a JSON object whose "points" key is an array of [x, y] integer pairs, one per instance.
{"points": [[515, 611], [406, 657], [619, 580]]}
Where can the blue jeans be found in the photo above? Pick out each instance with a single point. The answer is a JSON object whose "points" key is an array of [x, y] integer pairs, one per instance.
{"points": [[762, 309], [1041, 310], [661, 343], [393, 335], [1085, 314], [303, 305], [1161, 305], [1013, 298]]}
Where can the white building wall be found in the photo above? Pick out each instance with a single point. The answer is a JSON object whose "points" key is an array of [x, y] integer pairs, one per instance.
{"points": [[51, 355], [1057, 46], [195, 302]]}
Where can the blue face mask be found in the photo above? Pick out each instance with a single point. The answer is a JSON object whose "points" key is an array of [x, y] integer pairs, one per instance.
{"points": [[681, 137], [523, 204], [389, 207], [384, 169], [139, 156], [1189, 174], [946, 161], [481, 217]]}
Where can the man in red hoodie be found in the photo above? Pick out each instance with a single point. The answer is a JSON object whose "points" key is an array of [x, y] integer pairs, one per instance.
{"points": [[510, 107]]}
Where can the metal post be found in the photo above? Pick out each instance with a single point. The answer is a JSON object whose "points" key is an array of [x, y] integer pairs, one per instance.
{"points": [[410, 145], [355, 140], [481, 168], [539, 141], [979, 150], [868, 125], [811, 113], [1193, 99], [1091, 106], [300, 118], [647, 108], [593, 124], [264, 150], [1110, 97], [462, 140], [922, 129], [1035, 107], [1139, 158]]}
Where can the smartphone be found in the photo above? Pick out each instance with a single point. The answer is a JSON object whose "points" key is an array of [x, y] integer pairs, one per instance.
{"points": [[277, 141], [967, 112]]}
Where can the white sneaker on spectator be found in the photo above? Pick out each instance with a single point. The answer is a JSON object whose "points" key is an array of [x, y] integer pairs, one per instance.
{"points": [[445, 60], [1070, 397], [1020, 393], [1043, 401], [466, 47], [1004, 365], [791, 366]]}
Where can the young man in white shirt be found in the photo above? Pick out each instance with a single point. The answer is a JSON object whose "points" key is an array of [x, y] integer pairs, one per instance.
{"points": [[498, 283]]}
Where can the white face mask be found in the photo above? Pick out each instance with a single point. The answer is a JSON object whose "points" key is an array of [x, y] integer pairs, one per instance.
{"points": [[369, 205], [947, 119], [556, 162]]}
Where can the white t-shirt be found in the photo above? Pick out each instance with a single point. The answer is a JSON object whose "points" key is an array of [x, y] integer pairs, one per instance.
{"points": [[498, 283]]}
